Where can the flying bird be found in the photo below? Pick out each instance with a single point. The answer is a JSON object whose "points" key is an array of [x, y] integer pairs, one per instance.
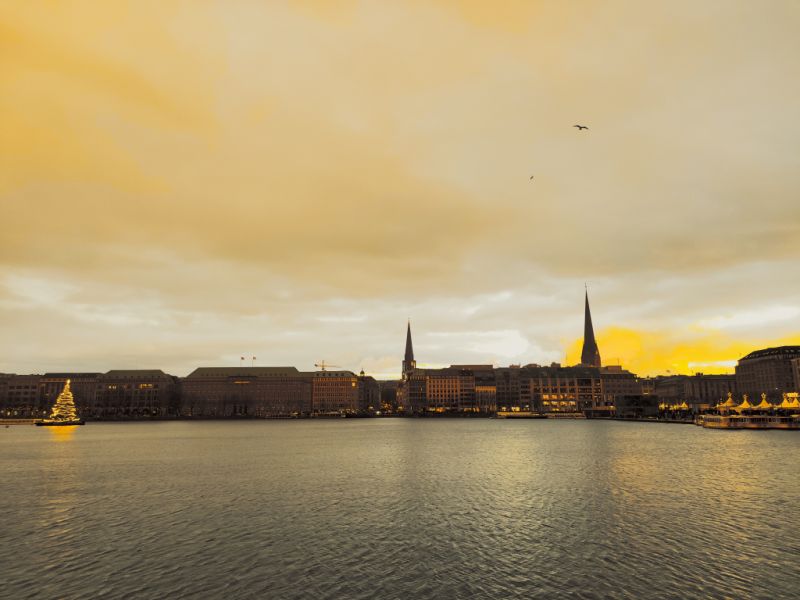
{"points": [[581, 127]]}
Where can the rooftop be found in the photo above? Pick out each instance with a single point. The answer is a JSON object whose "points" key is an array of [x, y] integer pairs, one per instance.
{"points": [[777, 351], [242, 372]]}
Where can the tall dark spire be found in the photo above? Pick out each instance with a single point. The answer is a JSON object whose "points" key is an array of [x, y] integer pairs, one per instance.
{"points": [[408, 362], [590, 356]]}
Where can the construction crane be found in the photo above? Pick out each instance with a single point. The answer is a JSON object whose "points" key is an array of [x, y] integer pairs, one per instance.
{"points": [[324, 366]]}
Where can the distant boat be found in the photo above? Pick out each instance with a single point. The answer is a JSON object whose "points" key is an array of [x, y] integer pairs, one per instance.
{"points": [[63, 412]]}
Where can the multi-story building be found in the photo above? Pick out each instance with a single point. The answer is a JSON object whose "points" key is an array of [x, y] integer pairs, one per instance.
{"points": [[270, 392], [246, 392], [796, 373], [83, 386], [557, 389], [529, 389], [615, 382], [369, 394], [456, 389], [335, 393], [132, 394], [769, 371], [19, 396], [648, 385], [4, 377], [699, 391], [388, 391]]}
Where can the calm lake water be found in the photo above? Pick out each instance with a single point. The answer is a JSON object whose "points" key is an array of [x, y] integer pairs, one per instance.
{"points": [[399, 508]]}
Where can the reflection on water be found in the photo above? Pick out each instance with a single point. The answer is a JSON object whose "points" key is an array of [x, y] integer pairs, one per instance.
{"points": [[62, 433], [399, 508]]}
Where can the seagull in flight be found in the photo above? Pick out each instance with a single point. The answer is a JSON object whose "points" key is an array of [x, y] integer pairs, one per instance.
{"points": [[581, 127]]}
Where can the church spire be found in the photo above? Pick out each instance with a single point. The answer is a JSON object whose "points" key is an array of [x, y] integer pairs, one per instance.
{"points": [[408, 362], [590, 356]]}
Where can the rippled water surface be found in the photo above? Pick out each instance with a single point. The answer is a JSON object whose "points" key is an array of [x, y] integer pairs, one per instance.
{"points": [[399, 508]]}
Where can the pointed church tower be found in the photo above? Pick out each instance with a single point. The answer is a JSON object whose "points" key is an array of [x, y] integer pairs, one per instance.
{"points": [[409, 363], [590, 356]]}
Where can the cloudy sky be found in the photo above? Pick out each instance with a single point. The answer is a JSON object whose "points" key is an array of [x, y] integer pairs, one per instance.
{"points": [[186, 183]]}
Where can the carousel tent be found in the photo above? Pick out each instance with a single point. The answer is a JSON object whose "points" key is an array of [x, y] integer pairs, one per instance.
{"points": [[745, 405], [763, 405]]}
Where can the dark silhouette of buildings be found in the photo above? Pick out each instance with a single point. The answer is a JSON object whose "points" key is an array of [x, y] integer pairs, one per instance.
{"points": [[483, 389], [284, 392]]}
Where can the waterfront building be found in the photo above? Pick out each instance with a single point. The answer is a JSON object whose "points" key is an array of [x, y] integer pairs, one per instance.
{"points": [[796, 373], [699, 391], [335, 393], [135, 393], [615, 383], [19, 396], [4, 379], [388, 391], [369, 394], [557, 389], [636, 406], [246, 392], [484, 389], [456, 389], [83, 387], [648, 385], [590, 354], [771, 371]]}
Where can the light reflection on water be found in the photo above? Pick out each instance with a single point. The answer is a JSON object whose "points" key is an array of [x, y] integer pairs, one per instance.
{"points": [[62, 433], [399, 508]]}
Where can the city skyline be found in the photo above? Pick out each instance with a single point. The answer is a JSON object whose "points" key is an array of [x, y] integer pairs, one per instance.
{"points": [[271, 181], [589, 356]]}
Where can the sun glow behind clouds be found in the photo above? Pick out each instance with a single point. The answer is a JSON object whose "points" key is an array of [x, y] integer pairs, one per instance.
{"points": [[678, 351]]}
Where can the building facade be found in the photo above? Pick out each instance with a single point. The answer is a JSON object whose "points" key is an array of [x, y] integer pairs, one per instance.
{"points": [[19, 396], [335, 393], [82, 385], [699, 391], [369, 394], [615, 383], [135, 394], [770, 371], [266, 392]]}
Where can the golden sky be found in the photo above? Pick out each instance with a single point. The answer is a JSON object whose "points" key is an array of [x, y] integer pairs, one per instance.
{"points": [[185, 183]]}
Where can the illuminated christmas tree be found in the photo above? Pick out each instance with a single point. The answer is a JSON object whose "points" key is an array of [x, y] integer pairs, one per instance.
{"points": [[64, 408]]}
